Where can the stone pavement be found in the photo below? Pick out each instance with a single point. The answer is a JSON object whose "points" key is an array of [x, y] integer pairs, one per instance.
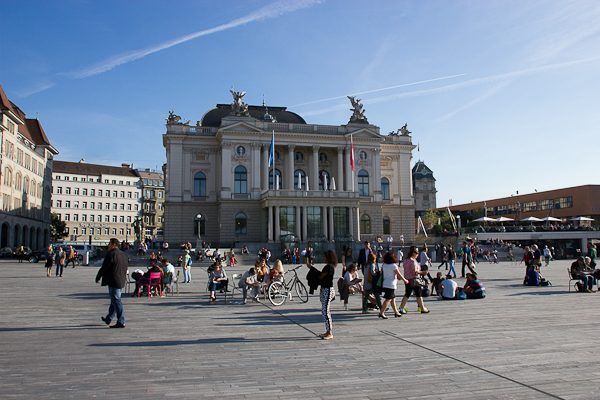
{"points": [[518, 343]]}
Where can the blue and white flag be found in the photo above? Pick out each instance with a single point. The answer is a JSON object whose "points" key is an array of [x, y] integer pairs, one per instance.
{"points": [[272, 150]]}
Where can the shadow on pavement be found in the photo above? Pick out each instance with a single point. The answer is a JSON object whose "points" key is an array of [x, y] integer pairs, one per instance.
{"points": [[217, 340]]}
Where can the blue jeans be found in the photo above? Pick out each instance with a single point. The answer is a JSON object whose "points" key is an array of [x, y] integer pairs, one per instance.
{"points": [[217, 286], [115, 306], [587, 281], [451, 267]]}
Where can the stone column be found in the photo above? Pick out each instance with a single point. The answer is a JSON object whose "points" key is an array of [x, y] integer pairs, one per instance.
{"points": [[377, 164], [226, 173], [351, 222], [270, 224], [340, 169], [289, 176], [264, 167], [256, 167], [314, 168], [298, 223], [331, 230], [358, 224], [325, 220], [304, 224], [349, 172], [277, 231]]}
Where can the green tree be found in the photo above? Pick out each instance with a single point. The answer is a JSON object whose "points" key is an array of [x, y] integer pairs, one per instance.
{"points": [[430, 218], [58, 227]]}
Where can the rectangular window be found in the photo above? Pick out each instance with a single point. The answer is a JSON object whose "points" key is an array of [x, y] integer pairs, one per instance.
{"points": [[340, 220], [160, 194], [120, 182], [68, 190], [136, 195], [99, 206], [107, 218], [75, 204], [106, 230], [128, 230], [58, 203], [114, 193], [121, 231], [530, 206], [128, 195], [546, 204], [76, 217], [107, 206], [83, 231], [563, 202], [128, 207], [121, 206], [58, 190], [122, 194], [114, 206], [84, 192], [160, 206], [129, 219], [114, 231], [92, 205], [315, 222], [76, 191], [67, 217], [84, 204], [92, 231], [137, 207], [91, 217], [92, 192], [99, 193], [75, 231], [84, 217], [114, 218], [287, 220], [122, 219], [67, 204]]}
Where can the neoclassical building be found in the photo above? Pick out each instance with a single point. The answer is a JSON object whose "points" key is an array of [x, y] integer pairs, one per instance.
{"points": [[423, 188], [26, 163], [219, 179]]}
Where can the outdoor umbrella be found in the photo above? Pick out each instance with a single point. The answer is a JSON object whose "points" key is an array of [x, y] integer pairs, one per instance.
{"points": [[531, 219], [504, 219], [581, 219], [551, 219], [484, 219]]}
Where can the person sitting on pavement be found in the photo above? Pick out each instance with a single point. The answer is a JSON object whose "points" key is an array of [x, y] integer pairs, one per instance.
{"points": [[449, 288], [277, 272], [247, 280], [146, 275], [533, 277], [577, 271], [435, 283], [473, 287], [217, 281], [352, 280], [245, 250]]}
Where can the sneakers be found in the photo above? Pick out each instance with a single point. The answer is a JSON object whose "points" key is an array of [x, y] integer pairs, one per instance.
{"points": [[117, 325], [402, 310]]}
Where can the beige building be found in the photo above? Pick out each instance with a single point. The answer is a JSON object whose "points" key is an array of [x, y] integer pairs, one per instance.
{"points": [[153, 201], [97, 202], [423, 188], [26, 168], [218, 177]]}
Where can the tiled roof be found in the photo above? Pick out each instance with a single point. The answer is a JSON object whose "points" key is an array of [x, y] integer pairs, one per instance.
{"points": [[421, 171], [5, 104], [36, 132], [80, 168]]}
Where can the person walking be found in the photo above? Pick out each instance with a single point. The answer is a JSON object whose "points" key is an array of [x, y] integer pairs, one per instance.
{"points": [[71, 257], [21, 254], [411, 272], [49, 258], [391, 275], [113, 274], [362, 256], [451, 256], [467, 259], [327, 291], [185, 263], [60, 262], [371, 291]]}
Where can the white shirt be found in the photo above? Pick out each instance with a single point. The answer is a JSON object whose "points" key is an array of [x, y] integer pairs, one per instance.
{"points": [[169, 268], [449, 288], [390, 281], [423, 258]]}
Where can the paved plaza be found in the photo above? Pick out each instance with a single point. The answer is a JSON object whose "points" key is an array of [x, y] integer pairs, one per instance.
{"points": [[518, 343]]}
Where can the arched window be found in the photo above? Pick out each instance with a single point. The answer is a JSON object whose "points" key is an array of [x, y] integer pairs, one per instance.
{"points": [[33, 186], [365, 224], [26, 185], [324, 181], [240, 223], [8, 178], [385, 188], [200, 185], [18, 181], [302, 183], [363, 183], [278, 175], [240, 180], [387, 226], [39, 191]]}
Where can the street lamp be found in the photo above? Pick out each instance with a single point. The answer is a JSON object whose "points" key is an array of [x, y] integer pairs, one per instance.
{"points": [[199, 240]]}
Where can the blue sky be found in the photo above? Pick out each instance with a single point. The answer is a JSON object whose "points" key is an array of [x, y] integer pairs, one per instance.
{"points": [[500, 95]]}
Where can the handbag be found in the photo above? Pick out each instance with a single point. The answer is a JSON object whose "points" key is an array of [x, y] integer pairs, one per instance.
{"points": [[417, 282]]}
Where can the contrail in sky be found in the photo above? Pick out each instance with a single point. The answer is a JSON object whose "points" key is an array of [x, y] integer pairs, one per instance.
{"points": [[471, 82], [273, 10], [378, 90]]}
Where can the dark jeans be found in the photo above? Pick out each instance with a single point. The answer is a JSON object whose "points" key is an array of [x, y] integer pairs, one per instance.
{"points": [[587, 281], [217, 286], [468, 264], [59, 269], [115, 306]]}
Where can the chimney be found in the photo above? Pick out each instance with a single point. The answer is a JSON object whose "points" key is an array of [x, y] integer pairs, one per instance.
{"points": [[125, 165]]}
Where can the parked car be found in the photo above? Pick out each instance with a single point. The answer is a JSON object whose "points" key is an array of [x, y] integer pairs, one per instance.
{"points": [[40, 255], [6, 252]]}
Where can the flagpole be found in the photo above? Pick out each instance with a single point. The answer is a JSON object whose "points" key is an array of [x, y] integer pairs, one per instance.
{"points": [[352, 160]]}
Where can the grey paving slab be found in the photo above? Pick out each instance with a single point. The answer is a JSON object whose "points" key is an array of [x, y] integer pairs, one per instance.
{"points": [[518, 343]]}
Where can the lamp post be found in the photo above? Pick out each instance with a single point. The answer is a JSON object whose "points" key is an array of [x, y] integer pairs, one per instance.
{"points": [[126, 229], [199, 240]]}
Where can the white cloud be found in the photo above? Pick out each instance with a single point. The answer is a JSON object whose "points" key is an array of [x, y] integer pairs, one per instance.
{"points": [[273, 10]]}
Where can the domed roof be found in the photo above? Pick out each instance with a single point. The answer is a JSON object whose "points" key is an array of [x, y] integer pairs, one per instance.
{"points": [[213, 116]]}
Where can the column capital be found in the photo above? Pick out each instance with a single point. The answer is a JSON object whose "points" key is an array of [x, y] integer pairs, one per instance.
{"points": [[255, 145], [291, 147], [315, 148], [340, 149]]}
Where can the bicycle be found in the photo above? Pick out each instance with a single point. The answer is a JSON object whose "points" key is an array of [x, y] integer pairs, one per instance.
{"points": [[279, 291]]}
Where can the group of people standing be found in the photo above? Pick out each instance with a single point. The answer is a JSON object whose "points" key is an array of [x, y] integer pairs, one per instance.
{"points": [[61, 258]]}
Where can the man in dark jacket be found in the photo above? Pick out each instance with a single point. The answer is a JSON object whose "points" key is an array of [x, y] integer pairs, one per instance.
{"points": [[114, 273], [362, 256]]}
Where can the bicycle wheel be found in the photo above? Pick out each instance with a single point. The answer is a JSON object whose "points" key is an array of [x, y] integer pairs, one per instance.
{"points": [[301, 291], [276, 293]]}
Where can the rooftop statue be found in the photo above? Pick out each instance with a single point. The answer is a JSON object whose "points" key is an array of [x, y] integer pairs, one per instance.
{"points": [[358, 113], [238, 107], [404, 130], [173, 119]]}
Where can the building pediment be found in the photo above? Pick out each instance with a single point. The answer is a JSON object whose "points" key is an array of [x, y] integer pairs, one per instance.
{"points": [[364, 133], [241, 126]]}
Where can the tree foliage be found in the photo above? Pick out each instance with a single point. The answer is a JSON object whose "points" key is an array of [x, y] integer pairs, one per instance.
{"points": [[58, 227]]}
